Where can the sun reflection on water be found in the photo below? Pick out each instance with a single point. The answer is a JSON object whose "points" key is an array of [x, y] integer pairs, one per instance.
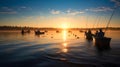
{"points": [[65, 44], [64, 47], [64, 35], [65, 50]]}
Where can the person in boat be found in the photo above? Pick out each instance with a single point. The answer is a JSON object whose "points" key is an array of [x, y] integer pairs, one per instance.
{"points": [[22, 31], [89, 35], [100, 34], [96, 34]]}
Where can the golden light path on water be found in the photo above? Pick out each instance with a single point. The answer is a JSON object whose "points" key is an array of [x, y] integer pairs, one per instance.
{"points": [[64, 48], [64, 35]]}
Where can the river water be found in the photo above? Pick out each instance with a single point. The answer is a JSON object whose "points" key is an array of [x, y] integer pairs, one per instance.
{"points": [[57, 49]]}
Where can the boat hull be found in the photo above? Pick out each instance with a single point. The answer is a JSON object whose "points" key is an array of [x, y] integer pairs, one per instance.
{"points": [[102, 42]]}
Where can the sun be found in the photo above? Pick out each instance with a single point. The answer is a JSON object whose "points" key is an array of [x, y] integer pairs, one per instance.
{"points": [[64, 26]]}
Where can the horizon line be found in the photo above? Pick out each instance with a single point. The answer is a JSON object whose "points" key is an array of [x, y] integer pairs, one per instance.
{"points": [[57, 27]]}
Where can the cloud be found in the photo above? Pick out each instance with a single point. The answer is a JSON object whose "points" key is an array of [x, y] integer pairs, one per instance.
{"points": [[55, 11], [23, 7], [33, 18], [100, 9], [7, 10], [73, 12], [117, 2], [68, 12]]}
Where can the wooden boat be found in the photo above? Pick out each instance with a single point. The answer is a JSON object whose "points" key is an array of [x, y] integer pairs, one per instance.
{"points": [[102, 42]]}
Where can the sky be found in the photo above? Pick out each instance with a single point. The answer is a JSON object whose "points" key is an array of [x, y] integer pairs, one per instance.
{"points": [[60, 13]]}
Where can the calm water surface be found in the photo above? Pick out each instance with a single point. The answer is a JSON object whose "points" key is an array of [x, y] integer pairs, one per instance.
{"points": [[63, 49]]}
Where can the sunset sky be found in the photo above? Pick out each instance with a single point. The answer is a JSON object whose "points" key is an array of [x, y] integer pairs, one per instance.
{"points": [[59, 13]]}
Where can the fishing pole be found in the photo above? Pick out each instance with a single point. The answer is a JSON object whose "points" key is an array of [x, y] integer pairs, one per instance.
{"points": [[110, 19], [95, 21]]}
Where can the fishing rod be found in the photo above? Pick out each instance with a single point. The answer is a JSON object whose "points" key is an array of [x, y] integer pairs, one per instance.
{"points": [[98, 21], [110, 19], [87, 20], [95, 21]]}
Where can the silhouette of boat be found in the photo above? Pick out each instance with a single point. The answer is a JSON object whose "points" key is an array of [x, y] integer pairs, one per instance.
{"points": [[102, 42], [25, 31], [81, 31], [46, 31], [38, 33], [57, 31], [89, 36]]}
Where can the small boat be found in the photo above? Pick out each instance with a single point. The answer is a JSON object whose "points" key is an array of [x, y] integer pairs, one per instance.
{"points": [[81, 31], [57, 31], [102, 42], [69, 31], [38, 33], [25, 31], [46, 31]]}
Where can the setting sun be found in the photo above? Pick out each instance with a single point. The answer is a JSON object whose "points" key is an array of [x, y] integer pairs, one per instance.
{"points": [[64, 26]]}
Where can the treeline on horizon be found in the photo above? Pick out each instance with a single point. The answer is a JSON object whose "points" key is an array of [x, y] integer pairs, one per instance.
{"points": [[45, 28]]}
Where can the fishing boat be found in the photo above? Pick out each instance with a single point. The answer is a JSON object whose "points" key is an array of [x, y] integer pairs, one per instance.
{"points": [[89, 35], [104, 42]]}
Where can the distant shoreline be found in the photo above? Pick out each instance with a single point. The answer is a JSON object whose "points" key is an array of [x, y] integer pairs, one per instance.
{"points": [[35, 28]]}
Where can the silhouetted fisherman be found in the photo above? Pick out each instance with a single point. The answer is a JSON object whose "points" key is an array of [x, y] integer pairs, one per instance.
{"points": [[100, 34], [89, 35], [96, 34]]}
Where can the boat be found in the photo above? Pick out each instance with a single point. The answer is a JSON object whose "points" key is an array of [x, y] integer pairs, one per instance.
{"points": [[102, 42], [38, 32], [81, 31], [25, 31], [89, 35], [46, 31], [57, 31]]}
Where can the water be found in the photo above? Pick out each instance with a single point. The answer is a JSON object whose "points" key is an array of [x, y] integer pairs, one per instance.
{"points": [[64, 49]]}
